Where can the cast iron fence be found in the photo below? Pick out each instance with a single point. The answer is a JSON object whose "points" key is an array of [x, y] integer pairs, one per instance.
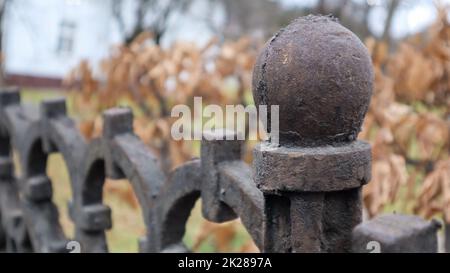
{"points": [[299, 196]]}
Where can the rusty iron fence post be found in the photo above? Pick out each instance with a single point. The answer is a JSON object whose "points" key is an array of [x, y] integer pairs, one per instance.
{"points": [[320, 75], [304, 194]]}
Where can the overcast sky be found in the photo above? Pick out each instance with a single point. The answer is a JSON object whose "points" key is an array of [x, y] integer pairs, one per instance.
{"points": [[412, 15]]}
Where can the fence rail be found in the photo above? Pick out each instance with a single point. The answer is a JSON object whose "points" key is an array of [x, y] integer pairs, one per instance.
{"points": [[299, 196]]}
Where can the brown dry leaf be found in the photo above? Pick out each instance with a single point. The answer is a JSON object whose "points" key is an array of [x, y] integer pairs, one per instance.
{"points": [[388, 174], [123, 190], [434, 192], [432, 134]]}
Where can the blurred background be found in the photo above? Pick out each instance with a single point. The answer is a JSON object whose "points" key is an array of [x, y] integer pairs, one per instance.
{"points": [[153, 54]]}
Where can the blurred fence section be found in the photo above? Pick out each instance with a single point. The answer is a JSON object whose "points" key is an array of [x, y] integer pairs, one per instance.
{"points": [[302, 194], [314, 220]]}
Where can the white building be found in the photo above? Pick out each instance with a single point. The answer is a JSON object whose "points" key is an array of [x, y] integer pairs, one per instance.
{"points": [[44, 39]]}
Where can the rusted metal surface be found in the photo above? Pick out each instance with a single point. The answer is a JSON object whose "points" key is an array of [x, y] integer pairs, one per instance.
{"points": [[31, 221], [317, 169], [320, 74], [396, 233], [303, 195]]}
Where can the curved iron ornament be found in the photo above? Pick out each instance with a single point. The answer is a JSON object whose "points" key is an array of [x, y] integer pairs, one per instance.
{"points": [[302, 194], [166, 202]]}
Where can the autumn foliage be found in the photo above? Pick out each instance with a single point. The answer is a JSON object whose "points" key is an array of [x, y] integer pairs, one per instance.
{"points": [[407, 124], [154, 80]]}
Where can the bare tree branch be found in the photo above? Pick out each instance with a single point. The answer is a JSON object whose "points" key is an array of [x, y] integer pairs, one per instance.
{"points": [[387, 27], [150, 15]]}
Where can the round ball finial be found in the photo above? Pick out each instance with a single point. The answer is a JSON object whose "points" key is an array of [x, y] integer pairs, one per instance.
{"points": [[321, 76]]}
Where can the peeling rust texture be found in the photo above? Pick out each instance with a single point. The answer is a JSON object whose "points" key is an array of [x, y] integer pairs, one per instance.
{"points": [[303, 195]]}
